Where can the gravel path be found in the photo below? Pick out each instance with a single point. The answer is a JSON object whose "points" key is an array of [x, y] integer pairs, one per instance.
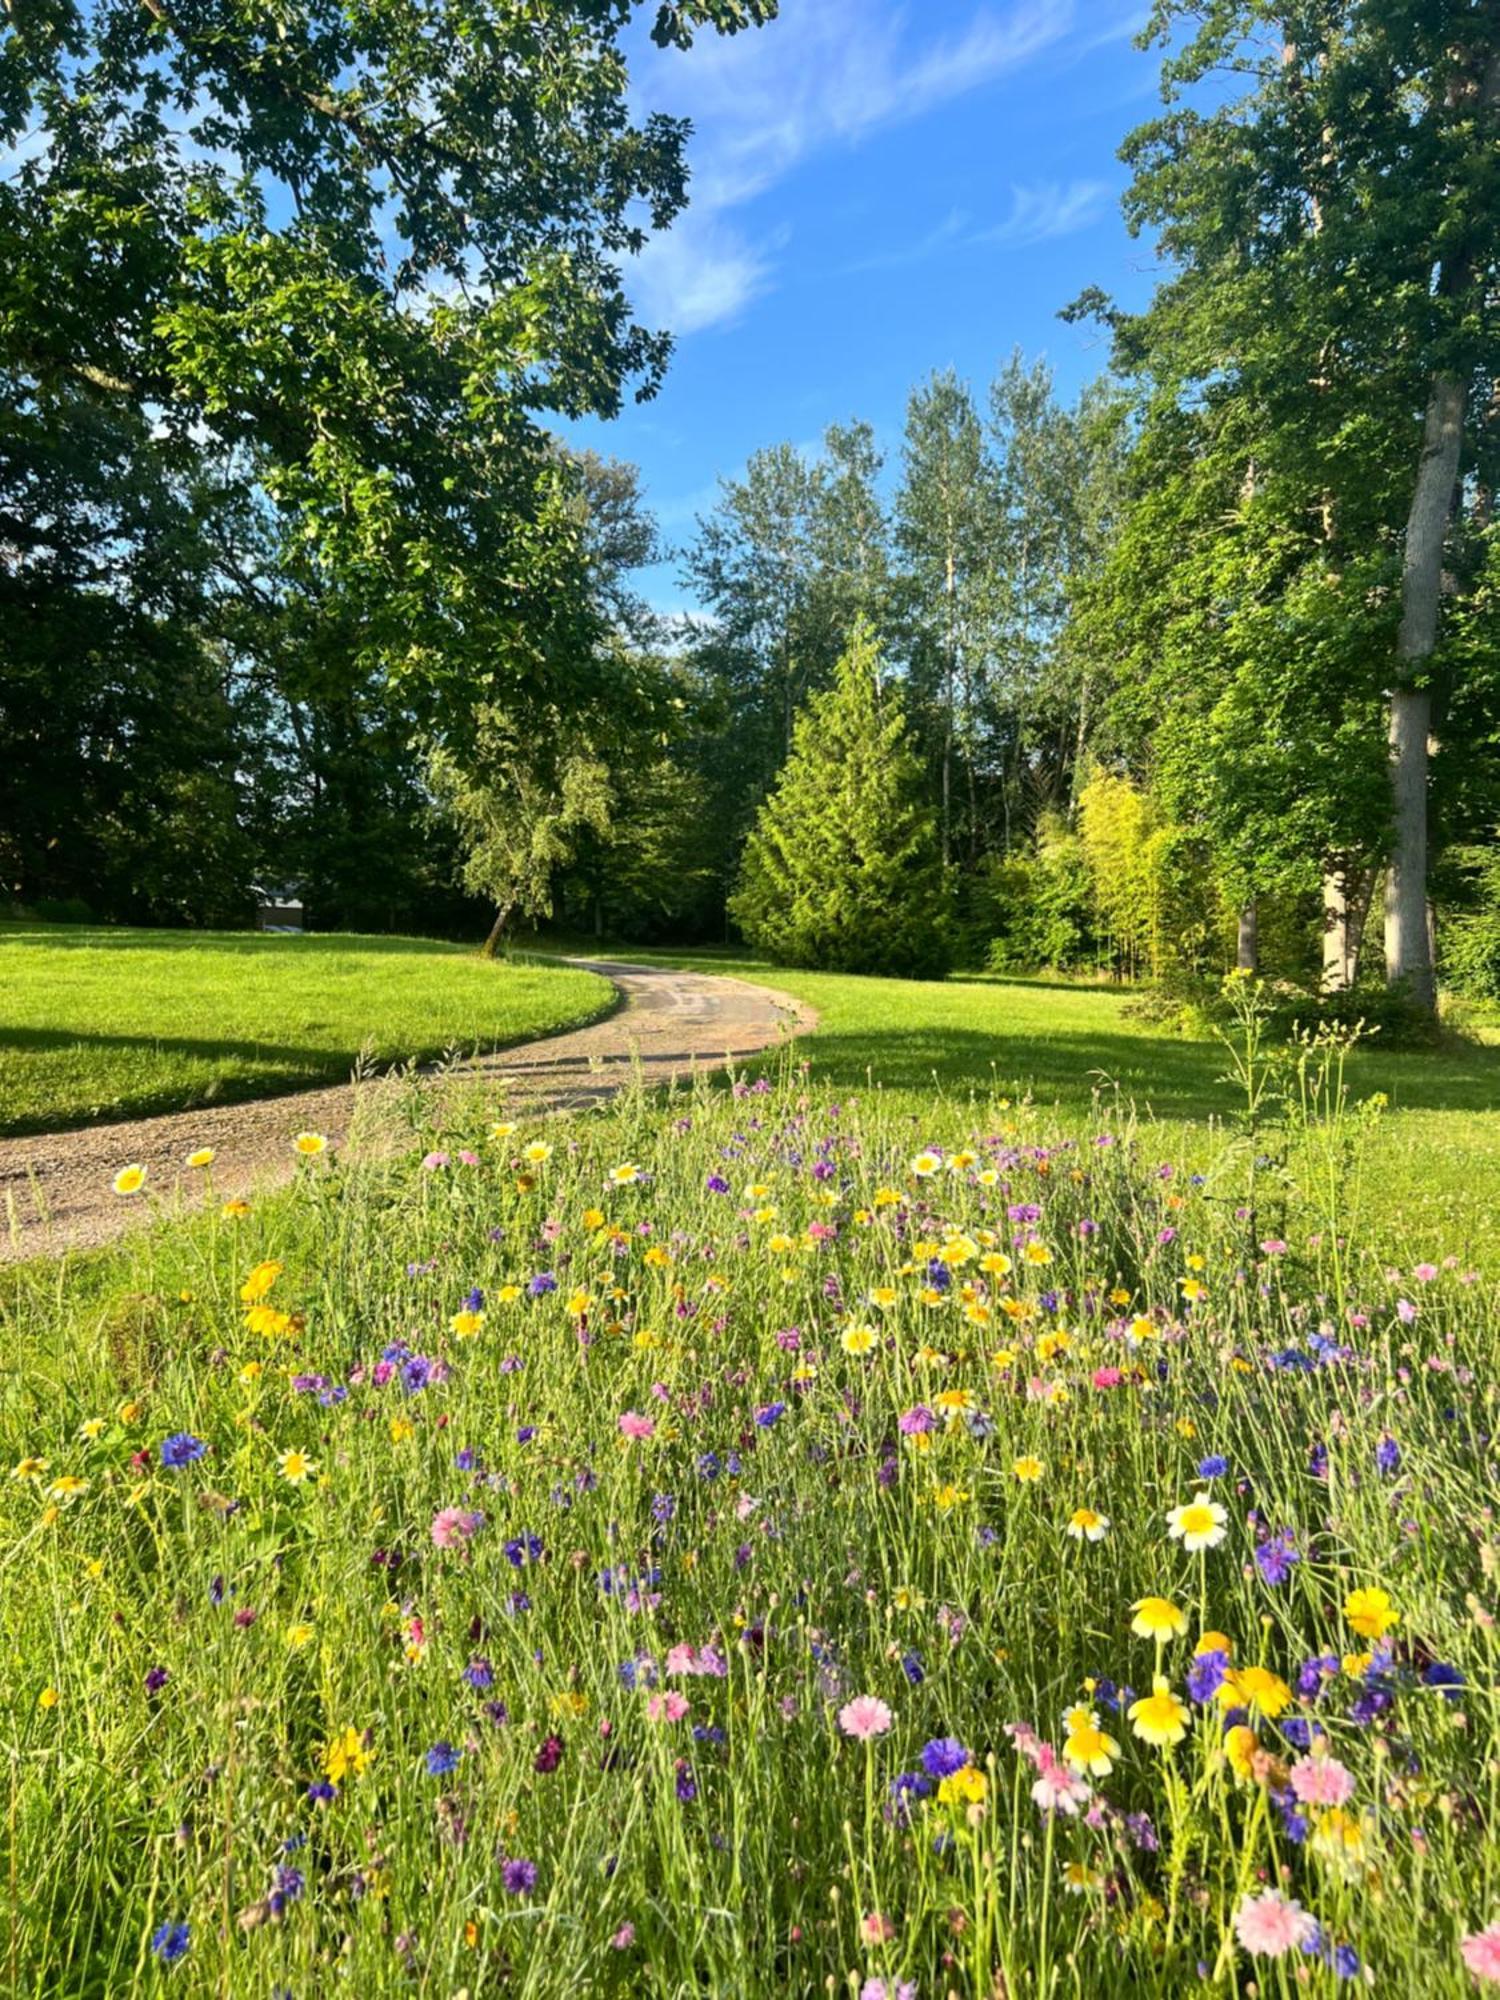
{"points": [[56, 1190]]}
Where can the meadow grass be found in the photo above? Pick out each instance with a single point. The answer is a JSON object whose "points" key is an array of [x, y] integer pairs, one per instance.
{"points": [[456, 1577], [100, 1023], [1064, 1045]]}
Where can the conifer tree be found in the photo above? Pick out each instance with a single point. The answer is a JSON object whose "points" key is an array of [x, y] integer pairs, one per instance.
{"points": [[842, 870]]}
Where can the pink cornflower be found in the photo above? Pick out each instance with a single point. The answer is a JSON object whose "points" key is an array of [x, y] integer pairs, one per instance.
{"points": [[671, 1707], [682, 1660], [1481, 1952], [635, 1426], [1425, 1272], [1322, 1781], [1270, 1924], [1057, 1789], [453, 1526], [865, 1717], [430, 1161], [624, 1937], [1107, 1378]]}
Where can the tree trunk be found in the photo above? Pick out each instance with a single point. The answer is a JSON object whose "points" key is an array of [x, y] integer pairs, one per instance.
{"points": [[497, 930], [1407, 953], [1346, 904], [1247, 943]]}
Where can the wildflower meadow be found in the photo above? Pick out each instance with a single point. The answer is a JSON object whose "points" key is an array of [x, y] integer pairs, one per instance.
{"points": [[758, 1541]]}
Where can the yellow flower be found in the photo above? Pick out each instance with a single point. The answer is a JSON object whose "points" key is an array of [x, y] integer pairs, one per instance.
{"points": [[300, 1634], [252, 1372], [961, 1162], [1193, 1290], [296, 1466], [1157, 1618], [67, 1486], [883, 1295], [503, 1130], [29, 1468], [1214, 1642], [1087, 1747], [858, 1340], [593, 1218], [1198, 1524], [129, 1411], [1085, 1525], [48, 1698], [204, 1157], [537, 1153], [966, 1787], [233, 1210], [401, 1429], [954, 1402], [1159, 1718], [578, 1304], [1142, 1328], [267, 1320], [130, 1180], [466, 1324], [1003, 1357], [958, 1251], [1259, 1689], [346, 1753], [260, 1282], [948, 1497], [1370, 1613], [886, 1197], [91, 1427], [995, 1263], [1240, 1746], [508, 1294], [1027, 1469], [1037, 1253], [309, 1144], [926, 1164], [624, 1175], [1339, 1838]]}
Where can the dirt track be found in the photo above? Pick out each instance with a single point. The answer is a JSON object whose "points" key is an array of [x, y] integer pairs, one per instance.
{"points": [[56, 1190]]}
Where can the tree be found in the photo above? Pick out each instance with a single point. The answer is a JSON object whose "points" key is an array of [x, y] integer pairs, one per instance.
{"points": [[1332, 221], [946, 531], [842, 869]]}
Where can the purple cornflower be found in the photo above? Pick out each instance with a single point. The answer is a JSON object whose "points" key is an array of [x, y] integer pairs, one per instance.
{"points": [[943, 1756], [182, 1448], [441, 1759], [518, 1878], [1276, 1556]]}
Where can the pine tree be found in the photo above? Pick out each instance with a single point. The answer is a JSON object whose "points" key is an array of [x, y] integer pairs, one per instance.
{"points": [[842, 869]]}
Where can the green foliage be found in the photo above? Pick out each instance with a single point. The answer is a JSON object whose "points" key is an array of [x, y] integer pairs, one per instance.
{"points": [[1470, 936], [1043, 913], [842, 869], [1153, 894]]}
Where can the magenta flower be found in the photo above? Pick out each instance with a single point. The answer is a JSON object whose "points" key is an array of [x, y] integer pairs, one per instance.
{"points": [[864, 1718], [1481, 1952], [453, 1527], [670, 1707], [635, 1426], [1270, 1924]]}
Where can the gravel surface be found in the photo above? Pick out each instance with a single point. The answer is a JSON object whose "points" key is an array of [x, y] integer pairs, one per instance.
{"points": [[56, 1189]]}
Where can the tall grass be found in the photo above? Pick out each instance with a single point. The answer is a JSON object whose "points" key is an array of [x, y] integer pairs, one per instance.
{"points": [[347, 1758]]}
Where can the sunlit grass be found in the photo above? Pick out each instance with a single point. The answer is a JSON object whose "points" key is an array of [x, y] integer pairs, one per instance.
{"points": [[98, 1023]]}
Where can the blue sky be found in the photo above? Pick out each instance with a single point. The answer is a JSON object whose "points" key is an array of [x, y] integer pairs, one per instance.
{"points": [[879, 190]]}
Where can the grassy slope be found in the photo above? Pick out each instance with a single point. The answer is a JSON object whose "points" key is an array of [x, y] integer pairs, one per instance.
{"points": [[116, 1023], [1438, 1164]]}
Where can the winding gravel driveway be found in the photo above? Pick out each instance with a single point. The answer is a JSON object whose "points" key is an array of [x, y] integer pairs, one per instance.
{"points": [[56, 1189]]}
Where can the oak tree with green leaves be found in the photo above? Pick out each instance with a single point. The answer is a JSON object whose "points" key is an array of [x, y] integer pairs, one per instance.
{"points": [[843, 868]]}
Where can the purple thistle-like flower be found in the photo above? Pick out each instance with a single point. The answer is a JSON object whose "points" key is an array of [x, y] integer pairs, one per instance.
{"points": [[518, 1877]]}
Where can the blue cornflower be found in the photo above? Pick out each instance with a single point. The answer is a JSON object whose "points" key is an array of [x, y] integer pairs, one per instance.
{"points": [[541, 1284], [943, 1756], [182, 1448], [708, 1465], [479, 1674], [518, 1877], [1445, 1677], [1212, 1467], [416, 1373], [1206, 1675], [768, 1414], [1388, 1457], [663, 1507], [912, 1667], [716, 1184], [1276, 1556], [474, 1300], [441, 1759], [170, 1942]]}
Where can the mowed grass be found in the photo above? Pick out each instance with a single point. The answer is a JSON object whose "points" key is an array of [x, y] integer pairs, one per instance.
{"points": [[1068, 1047], [101, 1023]]}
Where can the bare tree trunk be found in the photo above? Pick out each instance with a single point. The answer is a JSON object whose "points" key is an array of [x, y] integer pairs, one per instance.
{"points": [[497, 930], [1338, 969], [1408, 950], [1247, 942]]}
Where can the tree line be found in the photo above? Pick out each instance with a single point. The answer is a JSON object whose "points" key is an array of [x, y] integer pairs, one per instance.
{"points": [[297, 578]]}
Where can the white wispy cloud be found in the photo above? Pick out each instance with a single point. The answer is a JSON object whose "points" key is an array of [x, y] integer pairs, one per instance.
{"points": [[1037, 214], [825, 74], [1052, 208]]}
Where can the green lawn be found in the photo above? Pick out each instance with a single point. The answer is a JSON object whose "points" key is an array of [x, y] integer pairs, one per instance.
{"points": [[120, 1023], [1436, 1165]]}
